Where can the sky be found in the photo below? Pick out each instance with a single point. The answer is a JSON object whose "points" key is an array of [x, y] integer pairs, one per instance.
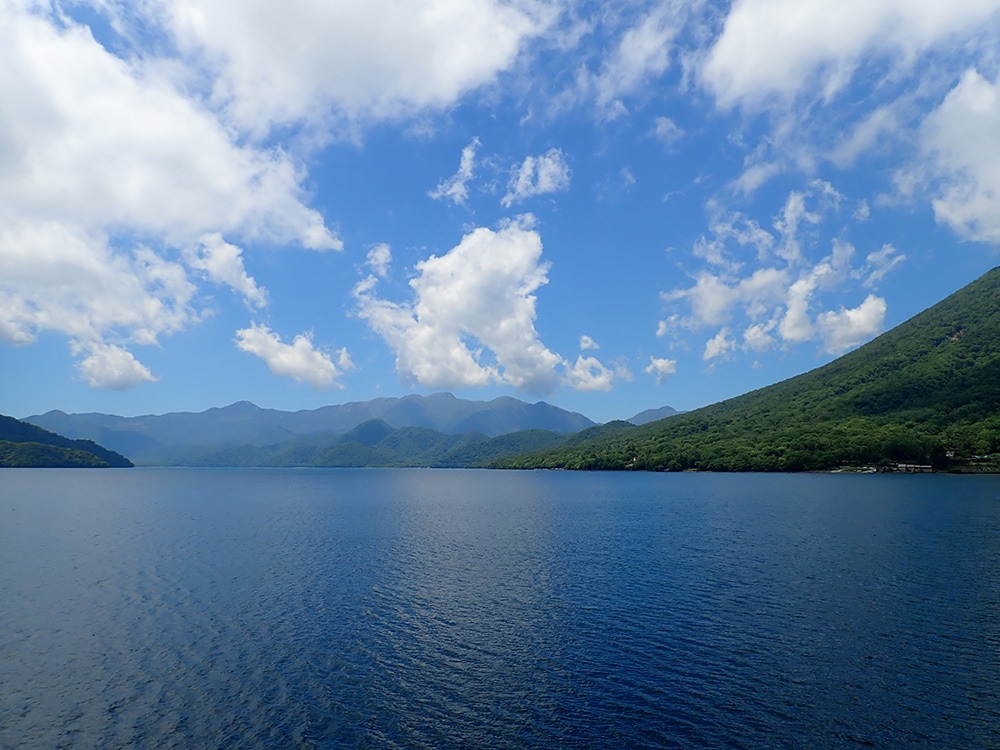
{"points": [[608, 206]]}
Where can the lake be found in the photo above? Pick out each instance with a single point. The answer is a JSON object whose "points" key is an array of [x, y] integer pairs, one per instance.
{"points": [[460, 609]]}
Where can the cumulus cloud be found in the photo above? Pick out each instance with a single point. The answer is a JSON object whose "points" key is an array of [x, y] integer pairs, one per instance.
{"points": [[844, 329], [283, 63], [758, 338], [962, 140], [454, 188], [109, 366], [588, 343], [783, 301], [299, 360], [478, 296], [97, 151], [471, 321], [661, 369], [537, 175], [778, 49], [714, 296], [53, 279], [719, 346], [588, 374], [93, 140]]}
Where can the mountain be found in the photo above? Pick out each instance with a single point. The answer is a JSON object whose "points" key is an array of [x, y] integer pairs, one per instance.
{"points": [[926, 393], [652, 415], [168, 438], [25, 445], [376, 444]]}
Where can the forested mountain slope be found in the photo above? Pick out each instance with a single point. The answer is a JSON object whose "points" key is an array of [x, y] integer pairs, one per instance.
{"points": [[25, 445], [926, 392]]}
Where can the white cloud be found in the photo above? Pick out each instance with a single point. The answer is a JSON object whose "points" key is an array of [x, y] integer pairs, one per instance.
{"points": [[97, 151], [299, 360], [454, 188], [108, 366], [720, 345], [879, 264], [756, 175], [781, 301], [962, 139], [713, 297], [588, 343], [661, 369], [796, 324], [53, 278], [643, 53], [588, 374], [731, 227], [380, 259], [758, 337], [281, 63], [789, 222], [845, 329], [471, 321], [223, 263], [537, 175], [95, 141], [777, 49]]}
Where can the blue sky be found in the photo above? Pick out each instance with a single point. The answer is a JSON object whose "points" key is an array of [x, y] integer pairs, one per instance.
{"points": [[607, 206]]}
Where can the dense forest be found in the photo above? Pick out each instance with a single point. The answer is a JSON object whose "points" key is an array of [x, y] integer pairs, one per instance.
{"points": [[24, 445], [925, 394]]}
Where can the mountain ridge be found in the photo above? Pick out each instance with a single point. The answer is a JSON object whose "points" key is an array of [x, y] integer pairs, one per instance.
{"points": [[154, 439]]}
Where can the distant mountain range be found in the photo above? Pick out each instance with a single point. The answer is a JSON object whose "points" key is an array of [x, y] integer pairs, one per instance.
{"points": [[652, 415], [924, 395], [243, 430]]}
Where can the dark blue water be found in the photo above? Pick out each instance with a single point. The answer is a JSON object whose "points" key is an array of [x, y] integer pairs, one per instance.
{"points": [[459, 609]]}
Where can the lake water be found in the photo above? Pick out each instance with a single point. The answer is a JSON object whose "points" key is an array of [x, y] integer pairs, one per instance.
{"points": [[463, 609]]}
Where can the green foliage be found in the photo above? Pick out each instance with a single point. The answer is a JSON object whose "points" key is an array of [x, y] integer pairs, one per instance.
{"points": [[25, 445], [39, 455], [927, 392]]}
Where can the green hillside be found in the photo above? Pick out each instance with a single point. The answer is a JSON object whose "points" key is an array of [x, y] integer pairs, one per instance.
{"points": [[926, 392], [24, 445]]}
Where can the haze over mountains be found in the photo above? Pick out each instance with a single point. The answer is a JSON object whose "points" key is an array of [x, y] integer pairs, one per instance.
{"points": [[167, 438]]}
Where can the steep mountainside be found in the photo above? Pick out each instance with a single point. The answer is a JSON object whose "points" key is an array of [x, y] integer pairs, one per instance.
{"points": [[926, 392], [25, 445], [162, 438]]}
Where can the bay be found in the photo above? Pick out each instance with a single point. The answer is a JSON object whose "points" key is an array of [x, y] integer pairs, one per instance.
{"points": [[440, 609]]}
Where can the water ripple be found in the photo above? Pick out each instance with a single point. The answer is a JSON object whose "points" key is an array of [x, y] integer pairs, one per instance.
{"points": [[418, 609]]}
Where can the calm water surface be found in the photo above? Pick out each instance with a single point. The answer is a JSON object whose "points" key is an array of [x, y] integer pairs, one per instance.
{"points": [[462, 609]]}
